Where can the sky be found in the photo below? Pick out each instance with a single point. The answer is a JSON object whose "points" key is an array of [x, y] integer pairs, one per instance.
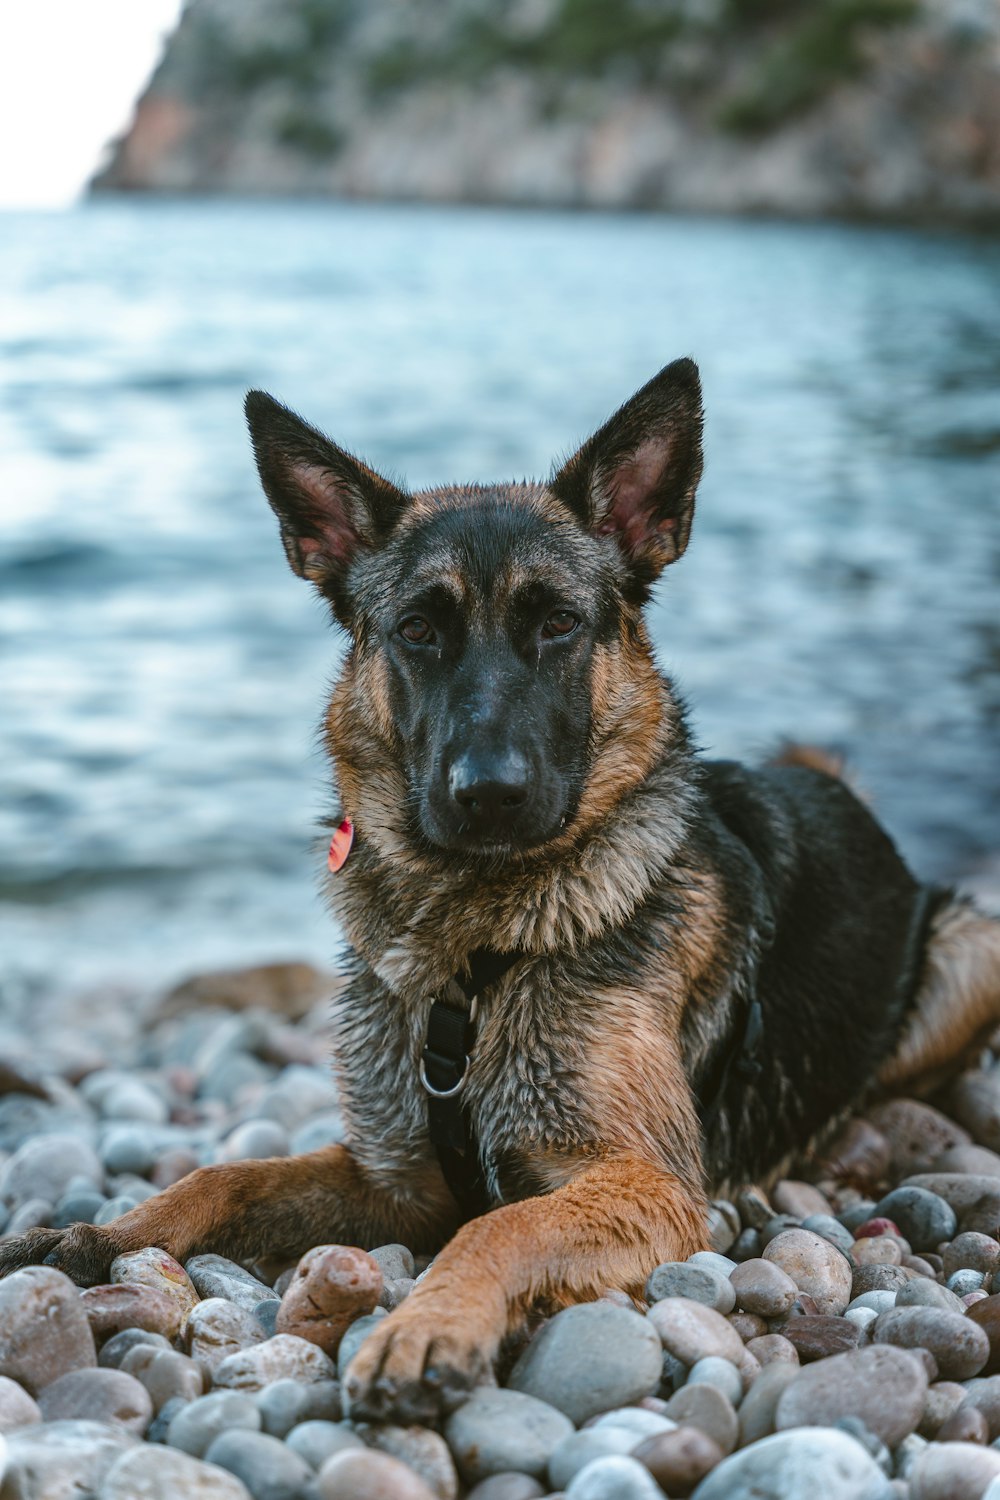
{"points": [[70, 72]]}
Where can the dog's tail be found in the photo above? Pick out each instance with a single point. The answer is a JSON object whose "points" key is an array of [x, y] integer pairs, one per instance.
{"points": [[813, 757]]}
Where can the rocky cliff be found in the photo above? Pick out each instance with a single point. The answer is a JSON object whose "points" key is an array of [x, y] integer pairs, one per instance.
{"points": [[881, 108]]}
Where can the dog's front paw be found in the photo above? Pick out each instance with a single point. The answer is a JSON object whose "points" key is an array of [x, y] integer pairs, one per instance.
{"points": [[83, 1251], [416, 1366]]}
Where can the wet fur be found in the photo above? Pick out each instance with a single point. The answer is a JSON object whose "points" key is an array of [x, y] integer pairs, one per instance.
{"points": [[679, 890]]}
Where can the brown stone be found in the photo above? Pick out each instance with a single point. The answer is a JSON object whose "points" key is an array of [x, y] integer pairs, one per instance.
{"points": [[17, 1408], [885, 1387], [747, 1325], [968, 1159], [953, 1471], [971, 1252], [819, 1338], [287, 989], [984, 1395], [154, 1270], [877, 1250], [678, 1460], [986, 1314], [967, 1425], [916, 1132], [357, 1475], [423, 1451], [44, 1331], [800, 1199], [705, 1407], [283, 1357], [880, 1279], [959, 1347], [860, 1155], [943, 1398], [110, 1309], [771, 1347], [333, 1285], [763, 1288], [975, 1103], [818, 1268]]}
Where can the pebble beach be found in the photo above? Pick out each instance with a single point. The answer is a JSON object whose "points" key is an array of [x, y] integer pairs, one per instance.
{"points": [[840, 1340]]}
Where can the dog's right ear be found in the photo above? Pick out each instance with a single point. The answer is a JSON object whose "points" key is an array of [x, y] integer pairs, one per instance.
{"points": [[329, 505]]}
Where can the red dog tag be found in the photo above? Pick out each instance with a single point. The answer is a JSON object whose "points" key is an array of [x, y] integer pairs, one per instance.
{"points": [[340, 846]]}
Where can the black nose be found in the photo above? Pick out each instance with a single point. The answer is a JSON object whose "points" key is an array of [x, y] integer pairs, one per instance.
{"points": [[490, 788]]}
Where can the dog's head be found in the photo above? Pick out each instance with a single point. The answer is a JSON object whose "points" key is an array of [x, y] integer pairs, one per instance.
{"points": [[500, 691]]}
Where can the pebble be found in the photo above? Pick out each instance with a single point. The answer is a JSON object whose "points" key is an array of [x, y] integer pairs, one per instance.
{"points": [[268, 1469], [62, 1460], [713, 1261], [756, 1415], [44, 1332], [844, 1385], [115, 1207], [984, 1394], [217, 1328], [829, 1228], [283, 1356], [971, 1252], [285, 1403], [943, 1398], [964, 1282], [699, 1283], [747, 1325], [214, 1276], [961, 1190], [920, 1292], [640, 1420], [581, 1448], [395, 1262], [764, 1288], [369, 1476], [967, 1425], [924, 1218], [113, 1309], [498, 1430], [315, 1441], [986, 1315], [917, 1134], [862, 1318], [816, 1267], [953, 1471], [877, 1250], [878, 1302], [880, 1279], [17, 1408], [255, 1140], [333, 1285], [156, 1473], [354, 1338], [771, 1347], [720, 1373], [597, 1355], [44, 1167], [77, 1207], [820, 1338], [705, 1407], [723, 1225], [677, 1460], [97, 1396], [860, 1154], [507, 1487], [155, 1269], [169, 1375], [792, 1465], [690, 1331], [958, 1345], [34, 1213], [614, 1478], [129, 1148], [199, 1423], [120, 1344]]}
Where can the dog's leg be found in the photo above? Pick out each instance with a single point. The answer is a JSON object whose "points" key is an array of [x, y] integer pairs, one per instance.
{"points": [[248, 1210], [607, 1227], [958, 1002]]}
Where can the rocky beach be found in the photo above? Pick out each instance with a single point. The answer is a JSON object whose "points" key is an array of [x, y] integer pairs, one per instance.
{"points": [[841, 1337]]}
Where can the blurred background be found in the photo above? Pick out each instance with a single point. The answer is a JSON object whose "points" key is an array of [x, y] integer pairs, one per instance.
{"points": [[330, 199]]}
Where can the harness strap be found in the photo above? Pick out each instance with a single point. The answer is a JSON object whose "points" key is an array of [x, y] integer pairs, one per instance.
{"points": [[444, 1067]]}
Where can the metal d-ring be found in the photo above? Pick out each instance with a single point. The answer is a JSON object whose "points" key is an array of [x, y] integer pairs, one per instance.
{"points": [[443, 1093], [460, 1085]]}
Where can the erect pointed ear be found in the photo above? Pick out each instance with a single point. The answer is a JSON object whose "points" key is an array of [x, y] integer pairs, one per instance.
{"points": [[635, 478], [329, 505]]}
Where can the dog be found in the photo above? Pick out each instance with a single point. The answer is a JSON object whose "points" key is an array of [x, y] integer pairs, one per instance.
{"points": [[593, 977]]}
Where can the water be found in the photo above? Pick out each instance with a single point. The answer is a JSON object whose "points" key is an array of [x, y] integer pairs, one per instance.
{"points": [[161, 670]]}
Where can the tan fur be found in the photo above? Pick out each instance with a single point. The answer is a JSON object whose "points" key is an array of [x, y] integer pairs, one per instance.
{"points": [[958, 1002]]}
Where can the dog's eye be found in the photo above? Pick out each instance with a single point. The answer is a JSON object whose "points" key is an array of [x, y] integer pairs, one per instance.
{"points": [[560, 622], [416, 631]]}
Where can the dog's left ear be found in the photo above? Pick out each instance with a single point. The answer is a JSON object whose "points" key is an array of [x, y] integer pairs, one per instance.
{"points": [[329, 505], [635, 479]]}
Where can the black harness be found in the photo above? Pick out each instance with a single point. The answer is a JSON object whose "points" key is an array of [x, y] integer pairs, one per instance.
{"points": [[444, 1067]]}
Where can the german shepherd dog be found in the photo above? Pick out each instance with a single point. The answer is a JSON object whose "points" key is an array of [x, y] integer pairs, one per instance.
{"points": [[670, 974]]}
